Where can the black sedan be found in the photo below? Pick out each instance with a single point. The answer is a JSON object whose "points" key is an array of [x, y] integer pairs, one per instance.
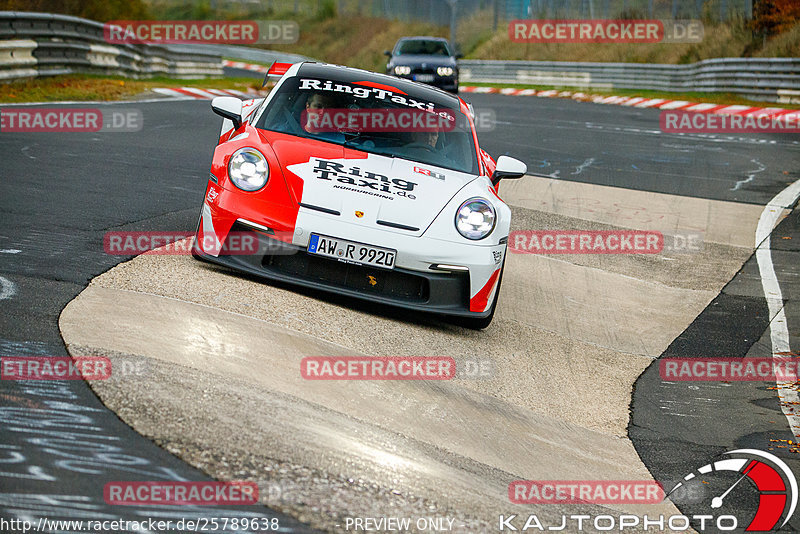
{"points": [[427, 60]]}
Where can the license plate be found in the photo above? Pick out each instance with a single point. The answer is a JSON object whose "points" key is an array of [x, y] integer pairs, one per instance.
{"points": [[423, 77], [351, 252]]}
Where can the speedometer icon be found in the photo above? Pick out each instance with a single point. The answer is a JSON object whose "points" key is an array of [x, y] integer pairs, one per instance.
{"points": [[768, 475]]}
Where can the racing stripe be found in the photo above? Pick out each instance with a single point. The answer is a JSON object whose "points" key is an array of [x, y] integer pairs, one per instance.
{"points": [[207, 234], [480, 301]]}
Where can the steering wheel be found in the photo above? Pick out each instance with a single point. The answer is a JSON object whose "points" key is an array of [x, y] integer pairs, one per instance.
{"points": [[420, 145]]}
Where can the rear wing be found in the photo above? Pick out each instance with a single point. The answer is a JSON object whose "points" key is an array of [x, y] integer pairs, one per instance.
{"points": [[276, 70]]}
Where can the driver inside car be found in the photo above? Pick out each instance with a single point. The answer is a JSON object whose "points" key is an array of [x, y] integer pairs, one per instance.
{"points": [[316, 105], [427, 138], [425, 145]]}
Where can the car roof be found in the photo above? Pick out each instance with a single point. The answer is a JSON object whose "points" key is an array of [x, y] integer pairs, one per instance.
{"points": [[422, 38], [413, 89]]}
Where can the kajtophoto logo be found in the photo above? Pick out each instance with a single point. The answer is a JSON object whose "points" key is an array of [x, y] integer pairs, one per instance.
{"points": [[768, 475], [769, 483]]}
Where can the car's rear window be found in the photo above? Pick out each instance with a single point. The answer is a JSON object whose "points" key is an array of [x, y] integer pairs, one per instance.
{"points": [[448, 143]]}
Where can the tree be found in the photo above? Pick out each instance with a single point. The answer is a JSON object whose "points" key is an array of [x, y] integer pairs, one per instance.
{"points": [[775, 16]]}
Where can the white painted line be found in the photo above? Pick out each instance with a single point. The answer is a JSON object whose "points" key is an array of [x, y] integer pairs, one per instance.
{"points": [[10, 251], [701, 107], [633, 101], [235, 92], [751, 176], [172, 93], [650, 103], [732, 109], [674, 104], [202, 93], [637, 101], [98, 102], [763, 111], [778, 331], [7, 288]]}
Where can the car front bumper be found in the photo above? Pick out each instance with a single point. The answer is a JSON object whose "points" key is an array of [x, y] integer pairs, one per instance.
{"points": [[447, 83], [437, 292], [420, 279]]}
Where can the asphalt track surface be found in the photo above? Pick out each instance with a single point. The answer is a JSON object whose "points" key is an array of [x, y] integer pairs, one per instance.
{"points": [[60, 445], [62, 192]]}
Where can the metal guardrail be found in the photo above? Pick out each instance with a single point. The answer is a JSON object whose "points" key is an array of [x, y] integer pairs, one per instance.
{"points": [[243, 53], [44, 44], [767, 79]]}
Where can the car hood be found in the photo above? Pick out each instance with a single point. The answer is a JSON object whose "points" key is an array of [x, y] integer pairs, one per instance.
{"points": [[417, 59], [367, 189]]}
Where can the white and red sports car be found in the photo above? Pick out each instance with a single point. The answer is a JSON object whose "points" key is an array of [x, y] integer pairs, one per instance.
{"points": [[360, 184]]}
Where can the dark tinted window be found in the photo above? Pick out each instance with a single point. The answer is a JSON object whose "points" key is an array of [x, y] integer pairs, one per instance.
{"points": [[419, 46], [451, 147]]}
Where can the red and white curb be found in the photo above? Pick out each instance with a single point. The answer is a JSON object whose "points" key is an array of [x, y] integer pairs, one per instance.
{"points": [[245, 66], [641, 102], [186, 93]]}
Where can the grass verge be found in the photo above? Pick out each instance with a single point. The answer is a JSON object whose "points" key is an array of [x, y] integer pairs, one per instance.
{"points": [[96, 88], [88, 88]]}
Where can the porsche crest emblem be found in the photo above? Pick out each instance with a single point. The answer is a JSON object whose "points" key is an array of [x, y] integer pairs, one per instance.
{"points": [[359, 214]]}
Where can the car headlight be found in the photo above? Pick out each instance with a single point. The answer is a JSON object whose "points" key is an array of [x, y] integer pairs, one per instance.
{"points": [[475, 218], [402, 70], [248, 169], [444, 71]]}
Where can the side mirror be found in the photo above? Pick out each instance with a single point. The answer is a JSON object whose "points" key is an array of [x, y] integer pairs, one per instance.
{"points": [[228, 107], [387, 53], [508, 168], [459, 55]]}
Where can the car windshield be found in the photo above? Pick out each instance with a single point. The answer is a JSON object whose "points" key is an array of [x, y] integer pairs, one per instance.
{"points": [[423, 47], [369, 117]]}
